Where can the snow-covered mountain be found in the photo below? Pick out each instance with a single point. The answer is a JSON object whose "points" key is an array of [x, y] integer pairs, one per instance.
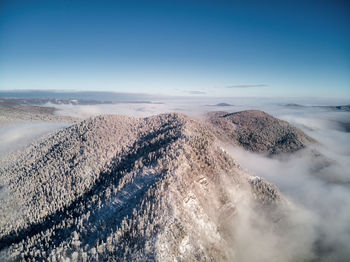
{"points": [[117, 188]]}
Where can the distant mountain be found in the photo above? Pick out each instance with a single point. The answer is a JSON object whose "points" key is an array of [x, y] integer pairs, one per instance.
{"points": [[294, 105], [258, 131], [223, 104], [340, 108], [337, 108], [14, 110], [116, 188], [66, 101]]}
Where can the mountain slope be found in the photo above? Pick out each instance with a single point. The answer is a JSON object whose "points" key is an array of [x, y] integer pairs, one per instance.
{"points": [[258, 131], [120, 189]]}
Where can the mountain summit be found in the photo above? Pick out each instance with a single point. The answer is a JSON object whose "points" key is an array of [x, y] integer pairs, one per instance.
{"points": [[258, 131]]}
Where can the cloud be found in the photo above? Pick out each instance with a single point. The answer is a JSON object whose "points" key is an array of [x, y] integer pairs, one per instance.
{"points": [[316, 180], [319, 189], [247, 86], [129, 109], [19, 135], [195, 92]]}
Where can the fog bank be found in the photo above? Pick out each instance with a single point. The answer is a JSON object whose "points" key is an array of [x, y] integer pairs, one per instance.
{"points": [[316, 179], [18, 135]]}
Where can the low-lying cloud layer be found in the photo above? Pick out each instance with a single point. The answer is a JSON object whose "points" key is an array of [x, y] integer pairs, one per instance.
{"points": [[16, 136], [196, 92], [316, 180], [317, 184]]}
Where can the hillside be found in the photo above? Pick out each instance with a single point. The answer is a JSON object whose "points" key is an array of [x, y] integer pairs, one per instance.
{"points": [[134, 189], [20, 110], [258, 131]]}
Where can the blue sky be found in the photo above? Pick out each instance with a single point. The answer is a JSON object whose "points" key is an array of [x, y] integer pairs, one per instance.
{"points": [[213, 48]]}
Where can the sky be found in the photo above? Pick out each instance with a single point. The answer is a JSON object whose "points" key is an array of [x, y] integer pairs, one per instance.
{"points": [[195, 48]]}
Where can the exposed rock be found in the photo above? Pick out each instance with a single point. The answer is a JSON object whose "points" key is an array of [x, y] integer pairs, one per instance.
{"points": [[258, 131], [115, 188]]}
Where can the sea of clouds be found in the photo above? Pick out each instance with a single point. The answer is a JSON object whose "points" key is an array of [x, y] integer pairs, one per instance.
{"points": [[16, 136], [316, 180]]}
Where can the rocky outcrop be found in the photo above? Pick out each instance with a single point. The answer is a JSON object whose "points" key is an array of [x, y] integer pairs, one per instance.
{"points": [[117, 188], [258, 131]]}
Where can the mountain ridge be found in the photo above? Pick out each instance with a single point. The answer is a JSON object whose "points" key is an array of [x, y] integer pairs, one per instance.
{"points": [[122, 188]]}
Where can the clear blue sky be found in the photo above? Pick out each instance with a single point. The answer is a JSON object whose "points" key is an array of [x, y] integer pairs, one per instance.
{"points": [[214, 48]]}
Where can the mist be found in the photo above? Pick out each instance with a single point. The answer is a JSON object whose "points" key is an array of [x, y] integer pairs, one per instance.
{"points": [[195, 106], [316, 180], [129, 109], [18, 135]]}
